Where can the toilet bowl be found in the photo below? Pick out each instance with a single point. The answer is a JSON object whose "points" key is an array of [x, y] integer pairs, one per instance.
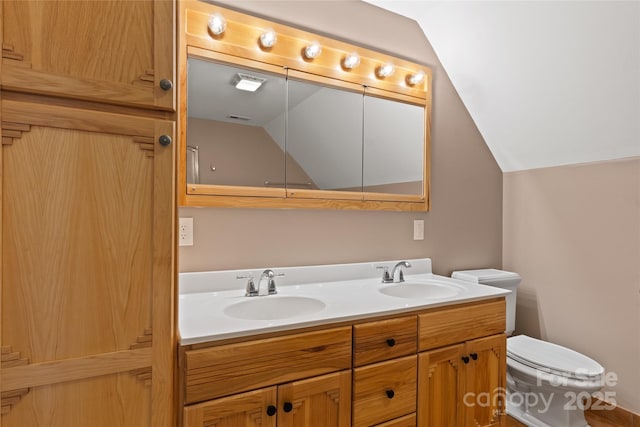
{"points": [[546, 383]]}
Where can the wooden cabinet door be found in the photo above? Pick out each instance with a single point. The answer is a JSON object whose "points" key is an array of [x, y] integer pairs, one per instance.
{"points": [[87, 301], [440, 385], [323, 401], [483, 400], [251, 409], [114, 51]]}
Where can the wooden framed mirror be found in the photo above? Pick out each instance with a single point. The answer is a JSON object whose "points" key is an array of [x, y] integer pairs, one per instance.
{"points": [[313, 134]]}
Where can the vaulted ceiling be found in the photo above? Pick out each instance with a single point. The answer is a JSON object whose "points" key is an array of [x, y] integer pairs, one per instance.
{"points": [[547, 83]]}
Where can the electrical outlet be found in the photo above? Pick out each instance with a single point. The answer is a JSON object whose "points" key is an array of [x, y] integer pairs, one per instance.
{"points": [[185, 232], [418, 229]]}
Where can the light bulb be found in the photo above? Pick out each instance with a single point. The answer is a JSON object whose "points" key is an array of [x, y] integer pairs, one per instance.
{"points": [[385, 70], [351, 61], [312, 50], [217, 24], [416, 78], [268, 39]]}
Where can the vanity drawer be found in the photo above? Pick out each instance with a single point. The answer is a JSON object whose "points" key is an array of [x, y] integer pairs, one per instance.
{"points": [[384, 391], [384, 339], [406, 421], [232, 368], [446, 326]]}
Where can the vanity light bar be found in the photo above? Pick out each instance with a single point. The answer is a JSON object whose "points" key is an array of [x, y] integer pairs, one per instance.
{"points": [[217, 25]]}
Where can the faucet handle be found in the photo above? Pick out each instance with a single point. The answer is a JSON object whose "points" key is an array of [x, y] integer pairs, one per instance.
{"points": [[250, 290], [272, 284], [386, 277]]}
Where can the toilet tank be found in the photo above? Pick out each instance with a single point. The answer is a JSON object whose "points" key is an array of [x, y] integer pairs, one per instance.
{"points": [[500, 279]]}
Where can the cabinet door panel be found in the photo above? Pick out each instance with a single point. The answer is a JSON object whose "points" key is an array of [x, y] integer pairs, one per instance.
{"points": [[440, 385], [246, 410], [87, 402], [316, 402], [86, 273], [110, 51], [485, 381]]}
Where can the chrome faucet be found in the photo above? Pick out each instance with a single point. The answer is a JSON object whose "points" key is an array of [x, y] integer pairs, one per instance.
{"points": [[397, 269], [252, 290]]}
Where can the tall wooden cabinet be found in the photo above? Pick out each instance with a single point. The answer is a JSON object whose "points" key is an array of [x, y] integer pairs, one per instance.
{"points": [[88, 210]]}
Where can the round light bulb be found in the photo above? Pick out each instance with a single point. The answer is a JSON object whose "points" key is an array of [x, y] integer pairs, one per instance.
{"points": [[385, 70], [268, 38], [415, 78], [217, 24], [312, 50], [351, 61]]}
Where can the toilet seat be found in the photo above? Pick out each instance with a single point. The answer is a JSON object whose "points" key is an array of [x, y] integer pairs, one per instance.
{"points": [[553, 359]]}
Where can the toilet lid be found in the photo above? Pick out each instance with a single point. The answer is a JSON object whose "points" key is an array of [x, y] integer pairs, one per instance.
{"points": [[552, 358]]}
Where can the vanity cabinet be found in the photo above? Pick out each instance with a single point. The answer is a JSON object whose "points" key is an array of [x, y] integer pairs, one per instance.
{"points": [[119, 52], [302, 377], [462, 384], [437, 367], [321, 401]]}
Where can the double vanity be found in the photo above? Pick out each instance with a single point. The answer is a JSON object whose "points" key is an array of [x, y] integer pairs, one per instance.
{"points": [[336, 346]]}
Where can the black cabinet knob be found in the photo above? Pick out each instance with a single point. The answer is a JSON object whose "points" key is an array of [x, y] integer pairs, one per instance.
{"points": [[474, 356], [465, 359], [390, 393], [391, 342], [166, 84], [165, 140], [271, 410], [287, 407]]}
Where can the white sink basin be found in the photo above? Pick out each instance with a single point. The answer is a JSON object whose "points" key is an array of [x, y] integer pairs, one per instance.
{"points": [[421, 289], [273, 307]]}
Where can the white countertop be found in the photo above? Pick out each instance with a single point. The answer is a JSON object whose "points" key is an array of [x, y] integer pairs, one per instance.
{"points": [[204, 298]]}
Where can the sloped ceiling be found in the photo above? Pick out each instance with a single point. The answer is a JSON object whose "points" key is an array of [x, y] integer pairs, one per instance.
{"points": [[547, 83]]}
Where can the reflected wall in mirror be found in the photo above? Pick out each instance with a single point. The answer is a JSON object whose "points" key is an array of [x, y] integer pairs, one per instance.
{"points": [[236, 137], [324, 135], [394, 144]]}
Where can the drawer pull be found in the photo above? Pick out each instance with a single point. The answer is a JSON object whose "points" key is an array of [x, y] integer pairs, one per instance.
{"points": [[390, 394], [166, 84], [391, 342], [474, 356], [465, 359], [271, 410], [287, 407]]}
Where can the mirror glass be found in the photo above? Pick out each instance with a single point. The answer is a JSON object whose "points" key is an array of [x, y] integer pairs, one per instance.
{"points": [[298, 134], [234, 136], [394, 143], [324, 137]]}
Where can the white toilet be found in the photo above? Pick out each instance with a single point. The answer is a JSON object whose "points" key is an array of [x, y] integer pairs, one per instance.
{"points": [[546, 383]]}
